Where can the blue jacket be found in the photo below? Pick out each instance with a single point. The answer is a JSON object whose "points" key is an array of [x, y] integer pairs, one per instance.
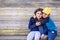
{"points": [[51, 25], [33, 27]]}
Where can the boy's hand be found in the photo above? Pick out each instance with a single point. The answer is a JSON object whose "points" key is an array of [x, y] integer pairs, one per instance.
{"points": [[37, 23]]}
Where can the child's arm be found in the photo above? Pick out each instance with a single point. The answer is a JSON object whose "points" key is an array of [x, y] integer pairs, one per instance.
{"points": [[31, 23], [51, 25], [44, 20]]}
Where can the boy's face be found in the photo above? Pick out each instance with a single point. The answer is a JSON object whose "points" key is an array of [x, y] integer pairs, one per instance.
{"points": [[45, 15], [38, 14]]}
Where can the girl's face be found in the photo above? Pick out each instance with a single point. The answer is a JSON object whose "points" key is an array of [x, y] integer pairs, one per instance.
{"points": [[45, 15], [38, 14]]}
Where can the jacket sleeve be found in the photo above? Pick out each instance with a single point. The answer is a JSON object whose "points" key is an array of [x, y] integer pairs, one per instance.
{"points": [[44, 20], [45, 30], [51, 23], [31, 24]]}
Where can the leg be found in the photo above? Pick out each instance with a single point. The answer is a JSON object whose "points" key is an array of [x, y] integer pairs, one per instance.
{"points": [[31, 35], [37, 35], [41, 29], [52, 35]]}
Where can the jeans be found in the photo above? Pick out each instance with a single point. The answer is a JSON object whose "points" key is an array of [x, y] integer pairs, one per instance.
{"points": [[33, 34], [52, 35]]}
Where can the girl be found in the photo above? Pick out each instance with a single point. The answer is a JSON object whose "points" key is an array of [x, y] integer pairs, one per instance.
{"points": [[34, 24]]}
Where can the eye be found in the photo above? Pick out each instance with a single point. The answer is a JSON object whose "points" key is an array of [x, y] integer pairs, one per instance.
{"points": [[40, 13], [37, 13]]}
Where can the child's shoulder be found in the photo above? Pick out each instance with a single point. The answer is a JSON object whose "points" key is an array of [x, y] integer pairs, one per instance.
{"points": [[32, 19]]}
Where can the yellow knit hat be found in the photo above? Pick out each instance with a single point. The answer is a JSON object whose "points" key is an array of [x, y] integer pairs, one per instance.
{"points": [[47, 10]]}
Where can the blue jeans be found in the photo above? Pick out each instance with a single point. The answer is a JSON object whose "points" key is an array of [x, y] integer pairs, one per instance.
{"points": [[52, 35]]}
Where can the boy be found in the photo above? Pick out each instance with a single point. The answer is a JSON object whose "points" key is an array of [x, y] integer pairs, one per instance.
{"points": [[52, 29]]}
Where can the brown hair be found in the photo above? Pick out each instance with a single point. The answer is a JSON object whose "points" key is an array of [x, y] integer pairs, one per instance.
{"points": [[39, 9]]}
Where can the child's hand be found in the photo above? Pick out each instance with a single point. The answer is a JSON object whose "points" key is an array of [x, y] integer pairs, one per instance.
{"points": [[42, 37], [34, 16], [37, 23]]}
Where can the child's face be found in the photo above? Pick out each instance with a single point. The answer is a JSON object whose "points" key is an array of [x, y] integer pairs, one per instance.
{"points": [[38, 14], [45, 15]]}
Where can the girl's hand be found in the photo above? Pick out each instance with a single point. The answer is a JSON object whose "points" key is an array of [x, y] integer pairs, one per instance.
{"points": [[37, 23], [42, 37], [34, 16]]}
